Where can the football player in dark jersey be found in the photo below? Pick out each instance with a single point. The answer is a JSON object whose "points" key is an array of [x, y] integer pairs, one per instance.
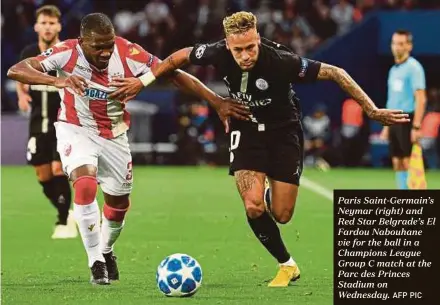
{"points": [[44, 102], [260, 74]]}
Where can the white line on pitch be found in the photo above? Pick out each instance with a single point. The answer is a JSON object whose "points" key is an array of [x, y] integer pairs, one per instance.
{"points": [[317, 188]]}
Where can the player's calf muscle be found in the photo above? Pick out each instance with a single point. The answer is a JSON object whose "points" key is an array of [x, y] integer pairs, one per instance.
{"points": [[250, 185]]}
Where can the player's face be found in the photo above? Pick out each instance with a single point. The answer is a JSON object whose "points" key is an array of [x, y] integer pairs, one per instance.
{"points": [[98, 48], [400, 46], [47, 28], [244, 48]]}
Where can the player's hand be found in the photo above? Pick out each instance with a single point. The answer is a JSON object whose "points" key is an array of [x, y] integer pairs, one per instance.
{"points": [[127, 90], [389, 116], [77, 83], [384, 135], [415, 135], [23, 102], [228, 108]]}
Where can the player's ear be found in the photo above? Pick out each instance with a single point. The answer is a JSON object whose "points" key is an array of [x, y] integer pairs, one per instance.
{"points": [[36, 27], [227, 45], [59, 27], [259, 38]]}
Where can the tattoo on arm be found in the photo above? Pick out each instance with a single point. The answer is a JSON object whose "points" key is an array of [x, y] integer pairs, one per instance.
{"points": [[245, 181], [172, 62], [348, 84]]}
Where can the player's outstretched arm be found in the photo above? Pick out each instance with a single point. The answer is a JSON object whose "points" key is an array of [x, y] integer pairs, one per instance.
{"points": [[29, 71], [225, 107], [347, 83], [129, 87], [173, 62]]}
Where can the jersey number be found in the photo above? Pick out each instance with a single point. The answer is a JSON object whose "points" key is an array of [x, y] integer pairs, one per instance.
{"points": [[235, 139], [32, 145]]}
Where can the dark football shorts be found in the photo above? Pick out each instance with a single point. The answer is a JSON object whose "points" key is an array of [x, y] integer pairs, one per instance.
{"points": [[42, 148], [278, 153], [400, 139]]}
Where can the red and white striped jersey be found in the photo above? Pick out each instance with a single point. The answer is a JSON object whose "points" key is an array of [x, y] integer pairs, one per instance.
{"points": [[95, 111]]}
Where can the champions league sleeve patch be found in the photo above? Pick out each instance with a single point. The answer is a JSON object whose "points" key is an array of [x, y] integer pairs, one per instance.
{"points": [[47, 52], [304, 67], [200, 51]]}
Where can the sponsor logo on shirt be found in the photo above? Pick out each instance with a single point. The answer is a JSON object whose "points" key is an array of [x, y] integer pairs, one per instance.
{"points": [[83, 68], [96, 94]]}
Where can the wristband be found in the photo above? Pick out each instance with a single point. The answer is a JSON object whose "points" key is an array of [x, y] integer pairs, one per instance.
{"points": [[147, 78], [416, 127]]}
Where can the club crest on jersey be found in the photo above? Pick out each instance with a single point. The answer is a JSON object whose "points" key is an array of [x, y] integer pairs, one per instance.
{"points": [[47, 52], [67, 149], [200, 51], [261, 84], [96, 94]]}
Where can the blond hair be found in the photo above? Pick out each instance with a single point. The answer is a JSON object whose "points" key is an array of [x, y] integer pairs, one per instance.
{"points": [[239, 23], [48, 10]]}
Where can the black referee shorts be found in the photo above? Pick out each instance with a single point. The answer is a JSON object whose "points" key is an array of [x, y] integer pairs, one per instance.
{"points": [[42, 148], [278, 153], [400, 139]]}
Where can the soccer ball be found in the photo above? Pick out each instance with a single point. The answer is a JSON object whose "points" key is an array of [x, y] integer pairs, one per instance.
{"points": [[179, 275]]}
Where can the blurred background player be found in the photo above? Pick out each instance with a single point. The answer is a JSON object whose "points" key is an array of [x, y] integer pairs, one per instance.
{"points": [[259, 73], [406, 91], [44, 102], [92, 127]]}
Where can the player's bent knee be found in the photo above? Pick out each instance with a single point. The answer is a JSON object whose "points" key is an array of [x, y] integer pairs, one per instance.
{"points": [[254, 208], [43, 172], [86, 188], [284, 217]]}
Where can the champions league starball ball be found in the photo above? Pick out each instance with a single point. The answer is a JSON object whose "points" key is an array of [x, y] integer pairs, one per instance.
{"points": [[179, 275]]}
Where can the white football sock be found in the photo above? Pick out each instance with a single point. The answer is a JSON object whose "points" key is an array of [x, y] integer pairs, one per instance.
{"points": [[87, 217], [110, 231], [289, 263]]}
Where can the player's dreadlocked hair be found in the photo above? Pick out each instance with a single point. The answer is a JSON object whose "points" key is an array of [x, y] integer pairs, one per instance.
{"points": [[239, 23], [97, 23]]}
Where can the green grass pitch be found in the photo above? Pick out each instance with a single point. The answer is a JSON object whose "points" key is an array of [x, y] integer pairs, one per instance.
{"points": [[189, 210]]}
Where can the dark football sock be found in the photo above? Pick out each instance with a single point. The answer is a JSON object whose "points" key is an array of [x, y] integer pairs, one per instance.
{"points": [[48, 191], [267, 231], [62, 194]]}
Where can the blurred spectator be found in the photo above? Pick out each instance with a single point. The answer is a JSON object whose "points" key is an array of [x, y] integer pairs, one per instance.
{"points": [[362, 8], [317, 135], [342, 14], [320, 20], [353, 142], [430, 140], [196, 136], [156, 12], [390, 5]]}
